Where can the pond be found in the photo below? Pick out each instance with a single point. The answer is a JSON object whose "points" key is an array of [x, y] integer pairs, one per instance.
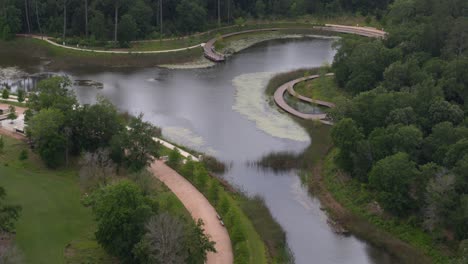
{"points": [[223, 111]]}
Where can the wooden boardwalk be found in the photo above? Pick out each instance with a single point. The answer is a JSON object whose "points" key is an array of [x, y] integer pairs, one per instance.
{"points": [[211, 53], [209, 47], [289, 87]]}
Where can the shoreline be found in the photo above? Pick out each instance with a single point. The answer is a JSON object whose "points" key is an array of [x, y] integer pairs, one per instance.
{"points": [[63, 57], [358, 225]]}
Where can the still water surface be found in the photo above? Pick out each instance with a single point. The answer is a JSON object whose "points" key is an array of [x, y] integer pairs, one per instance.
{"points": [[222, 111]]}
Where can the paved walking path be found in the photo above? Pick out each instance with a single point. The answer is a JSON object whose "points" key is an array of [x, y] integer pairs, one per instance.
{"points": [[200, 208], [47, 39], [211, 53], [289, 87]]}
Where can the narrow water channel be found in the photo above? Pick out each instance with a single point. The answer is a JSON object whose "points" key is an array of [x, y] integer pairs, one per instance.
{"points": [[223, 111]]}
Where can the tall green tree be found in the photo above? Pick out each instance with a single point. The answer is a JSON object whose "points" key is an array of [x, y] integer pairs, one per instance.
{"points": [[53, 93], [391, 178], [46, 131], [140, 148], [191, 16], [128, 29], [121, 212]]}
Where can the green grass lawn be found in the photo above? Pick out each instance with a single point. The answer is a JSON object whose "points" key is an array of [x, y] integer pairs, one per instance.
{"points": [[52, 215], [323, 88], [168, 44]]}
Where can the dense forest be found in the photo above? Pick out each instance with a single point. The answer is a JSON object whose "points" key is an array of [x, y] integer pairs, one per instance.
{"points": [[404, 133], [139, 19]]}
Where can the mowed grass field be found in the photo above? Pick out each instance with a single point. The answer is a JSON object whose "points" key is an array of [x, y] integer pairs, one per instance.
{"points": [[52, 215]]}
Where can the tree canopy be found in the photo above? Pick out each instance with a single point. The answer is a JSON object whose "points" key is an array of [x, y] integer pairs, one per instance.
{"points": [[404, 130], [124, 20]]}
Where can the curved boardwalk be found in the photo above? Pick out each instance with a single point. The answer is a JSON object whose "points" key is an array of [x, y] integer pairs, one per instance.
{"points": [[211, 53], [289, 87], [200, 208]]}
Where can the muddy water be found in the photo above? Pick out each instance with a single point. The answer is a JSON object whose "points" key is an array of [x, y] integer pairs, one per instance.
{"points": [[223, 111]]}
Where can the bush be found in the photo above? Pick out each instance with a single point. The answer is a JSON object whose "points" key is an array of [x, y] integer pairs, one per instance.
{"points": [[175, 159], [187, 169], [121, 212], [213, 192], [97, 169], [21, 96], [240, 21], [5, 94], [201, 177], [224, 206], [242, 254]]}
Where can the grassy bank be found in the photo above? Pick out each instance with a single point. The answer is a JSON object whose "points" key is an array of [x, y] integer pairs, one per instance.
{"points": [[52, 215], [62, 59], [348, 201]]}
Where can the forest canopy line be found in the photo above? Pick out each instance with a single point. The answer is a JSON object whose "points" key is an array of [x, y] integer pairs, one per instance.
{"points": [[404, 134], [126, 20]]}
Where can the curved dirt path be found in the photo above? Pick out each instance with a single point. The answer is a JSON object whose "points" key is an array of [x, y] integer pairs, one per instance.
{"points": [[200, 208], [289, 87]]}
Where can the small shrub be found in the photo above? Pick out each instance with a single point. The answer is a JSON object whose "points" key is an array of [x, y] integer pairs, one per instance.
{"points": [[237, 234], [224, 206], [5, 94], [175, 159], [187, 169], [21, 96], [28, 114], [23, 155], [241, 253], [213, 192], [12, 115], [97, 169], [145, 180], [240, 22], [201, 177]]}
